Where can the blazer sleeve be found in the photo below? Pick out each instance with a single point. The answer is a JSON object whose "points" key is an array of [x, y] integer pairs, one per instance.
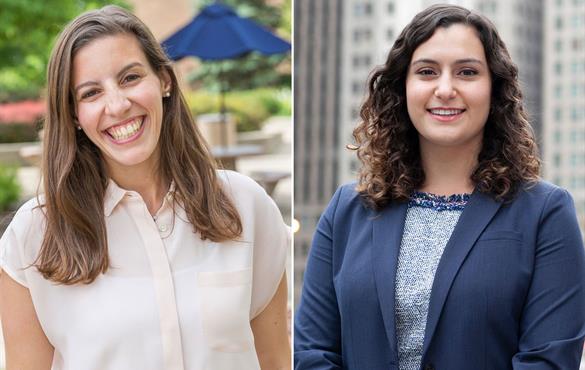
{"points": [[552, 328], [317, 344]]}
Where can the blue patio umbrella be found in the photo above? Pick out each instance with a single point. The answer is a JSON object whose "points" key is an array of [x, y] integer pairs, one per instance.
{"points": [[218, 33]]}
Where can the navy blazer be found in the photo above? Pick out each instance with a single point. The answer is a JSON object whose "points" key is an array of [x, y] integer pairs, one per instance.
{"points": [[509, 291]]}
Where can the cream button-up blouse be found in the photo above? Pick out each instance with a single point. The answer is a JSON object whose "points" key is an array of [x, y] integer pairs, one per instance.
{"points": [[169, 300]]}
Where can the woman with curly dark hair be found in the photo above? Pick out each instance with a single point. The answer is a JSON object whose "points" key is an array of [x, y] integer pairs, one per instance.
{"points": [[449, 252]]}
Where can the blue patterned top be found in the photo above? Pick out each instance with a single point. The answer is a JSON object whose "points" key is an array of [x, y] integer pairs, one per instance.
{"points": [[430, 220]]}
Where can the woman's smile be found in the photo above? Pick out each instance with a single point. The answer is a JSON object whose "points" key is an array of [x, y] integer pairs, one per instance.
{"points": [[446, 114], [127, 131]]}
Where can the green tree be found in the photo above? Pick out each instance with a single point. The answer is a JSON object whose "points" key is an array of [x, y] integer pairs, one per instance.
{"points": [[252, 70], [28, 29]]}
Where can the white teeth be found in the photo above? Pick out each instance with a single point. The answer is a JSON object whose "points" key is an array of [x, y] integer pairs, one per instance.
{"points": [[126, 131], [446, 112]]}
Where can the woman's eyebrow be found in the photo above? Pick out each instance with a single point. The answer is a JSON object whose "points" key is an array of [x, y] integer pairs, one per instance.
{"points": [[458, 61], [129, 66], [119, 74]]}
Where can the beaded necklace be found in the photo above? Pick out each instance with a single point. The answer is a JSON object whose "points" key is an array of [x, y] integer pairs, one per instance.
{"points": [[455, 202]]}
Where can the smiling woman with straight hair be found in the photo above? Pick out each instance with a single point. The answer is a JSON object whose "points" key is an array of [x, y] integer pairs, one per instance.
{"points": [[140, 254], [449, 252]]}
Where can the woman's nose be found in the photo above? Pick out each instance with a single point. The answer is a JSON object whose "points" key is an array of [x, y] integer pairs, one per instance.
{"points": [[445, 89], [117, 103]]}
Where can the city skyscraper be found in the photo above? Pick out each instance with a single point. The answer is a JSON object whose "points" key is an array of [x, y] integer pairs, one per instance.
{"points": [[564, 98], [317, 85]]}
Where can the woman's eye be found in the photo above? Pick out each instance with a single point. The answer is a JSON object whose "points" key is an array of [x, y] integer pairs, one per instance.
{"points": [[131, 77], [468, 72], [426, 72], [88, 94]]}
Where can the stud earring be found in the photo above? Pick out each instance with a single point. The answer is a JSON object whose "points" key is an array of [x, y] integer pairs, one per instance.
{"points": [[167, 94], [78, 128]]}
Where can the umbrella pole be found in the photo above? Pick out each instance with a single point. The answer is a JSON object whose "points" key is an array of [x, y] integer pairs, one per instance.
{"points": [[222, 109]]}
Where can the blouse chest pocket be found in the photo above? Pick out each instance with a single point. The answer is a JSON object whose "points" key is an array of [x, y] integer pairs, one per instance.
{"points": [[225, 308]]}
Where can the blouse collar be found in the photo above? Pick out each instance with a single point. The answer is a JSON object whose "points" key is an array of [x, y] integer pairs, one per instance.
{"points": [[114, 195]]}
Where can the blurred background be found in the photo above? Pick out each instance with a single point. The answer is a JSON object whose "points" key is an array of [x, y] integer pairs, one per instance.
{"points": [[253, 134], [338, 43]]}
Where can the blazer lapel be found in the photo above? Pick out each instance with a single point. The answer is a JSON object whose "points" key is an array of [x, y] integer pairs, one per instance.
{"points": [[388, 226], [475, 217]]}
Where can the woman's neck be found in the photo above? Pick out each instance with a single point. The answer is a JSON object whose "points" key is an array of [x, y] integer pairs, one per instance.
{"points": [[148, 182], [448, 170]]}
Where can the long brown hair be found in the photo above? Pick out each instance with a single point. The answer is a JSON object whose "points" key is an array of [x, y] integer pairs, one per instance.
{"points": [[387, 142], [74, 249]]}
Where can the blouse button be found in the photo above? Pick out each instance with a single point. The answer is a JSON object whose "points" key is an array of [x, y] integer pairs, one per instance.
{"points": [[162, 228]]}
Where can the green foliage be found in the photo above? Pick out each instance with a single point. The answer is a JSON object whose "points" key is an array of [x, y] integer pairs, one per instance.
{"points": [[253, 70], [28, 29], [9, 188], [18, 133], [250, 108]]}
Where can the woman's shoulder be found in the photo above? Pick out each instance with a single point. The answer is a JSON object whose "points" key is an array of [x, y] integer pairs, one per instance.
{"points": [[29, 214], [347, 200], [239, 185], [248, 196], [541, 191], [20, 243]]}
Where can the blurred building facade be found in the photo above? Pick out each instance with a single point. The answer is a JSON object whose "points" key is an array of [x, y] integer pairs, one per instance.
{"points": [[564, 98], [317, 84], [368, 31]]}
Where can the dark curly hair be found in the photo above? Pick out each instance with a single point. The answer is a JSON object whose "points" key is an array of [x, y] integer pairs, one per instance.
{"points": [[387, 143]]}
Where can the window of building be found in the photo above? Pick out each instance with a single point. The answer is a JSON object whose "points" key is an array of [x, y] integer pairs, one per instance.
{"points": [[559, 23], [391, 7], [575, 21], [558, 91], [559, 45], [362, 34], [558, 137], [558, 114], [575, 114], [559, 68], [577, 182], [356, 87], [362, 8], [390, 34], [557, 160], [368, 8], [354, 165]]}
